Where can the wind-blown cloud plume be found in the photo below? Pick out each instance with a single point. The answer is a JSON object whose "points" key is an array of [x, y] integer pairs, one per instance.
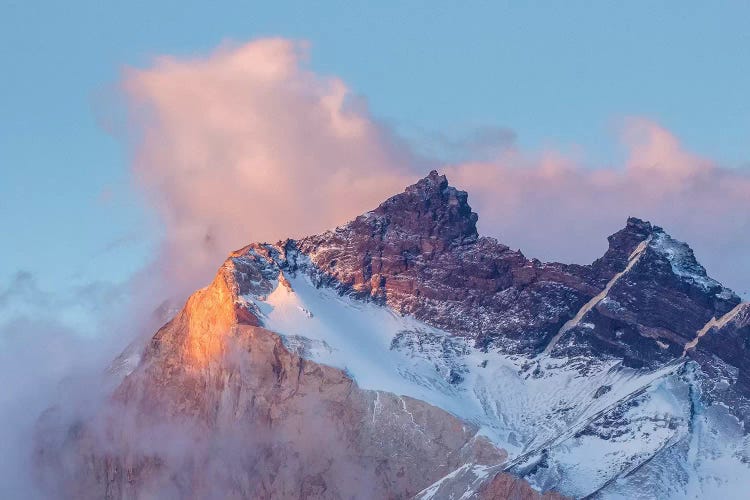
{"points": [[249, 144]]}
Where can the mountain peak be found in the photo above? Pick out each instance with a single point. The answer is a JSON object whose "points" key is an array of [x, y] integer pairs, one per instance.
{"points": [[432, 208], [433, 182], [622, 244], [634, 224]]}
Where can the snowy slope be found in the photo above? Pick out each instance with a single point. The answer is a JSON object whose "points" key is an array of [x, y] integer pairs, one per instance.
{"points": [[579, 426], [711, 461]]}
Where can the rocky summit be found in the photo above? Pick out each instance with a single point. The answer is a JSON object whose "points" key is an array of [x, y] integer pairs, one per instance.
{"points": [[402, 355]]}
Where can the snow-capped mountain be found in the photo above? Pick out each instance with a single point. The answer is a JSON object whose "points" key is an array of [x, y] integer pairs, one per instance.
{"points": [[404, 356]]}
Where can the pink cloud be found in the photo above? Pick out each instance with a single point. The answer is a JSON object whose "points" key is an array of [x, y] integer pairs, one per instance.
{"points": [[552, 207], [249, 144]]}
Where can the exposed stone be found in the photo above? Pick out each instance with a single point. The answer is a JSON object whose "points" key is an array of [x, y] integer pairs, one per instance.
{"points": [[507, 487]]}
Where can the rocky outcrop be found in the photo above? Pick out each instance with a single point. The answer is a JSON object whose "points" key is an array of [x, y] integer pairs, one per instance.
{"points": [[508, 487], [728, 338], [420, 254], [654, 310], [722, 349]]}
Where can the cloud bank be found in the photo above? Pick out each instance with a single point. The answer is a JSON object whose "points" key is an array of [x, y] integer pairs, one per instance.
{"points": [[248, 144], [552, 207]]}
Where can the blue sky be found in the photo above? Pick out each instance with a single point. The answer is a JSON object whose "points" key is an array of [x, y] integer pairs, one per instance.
{"points": [[556, 74]]}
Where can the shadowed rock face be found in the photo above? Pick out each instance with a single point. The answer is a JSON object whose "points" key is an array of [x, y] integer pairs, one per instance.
{"points": [[431, 210], [419, 253], [730, 342], [621, 245], [218, 407], [723, 352], [655, 309]]}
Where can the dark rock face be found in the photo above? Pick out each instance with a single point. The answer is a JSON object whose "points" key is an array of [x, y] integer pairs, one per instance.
{"points": [[621, 245], [654, 309], [419, 252], [723, 352], [730, 342], [431, 210]]}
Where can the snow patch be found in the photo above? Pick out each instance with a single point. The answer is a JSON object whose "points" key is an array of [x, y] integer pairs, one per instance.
{"points": [[560, 428], [683, 264]]}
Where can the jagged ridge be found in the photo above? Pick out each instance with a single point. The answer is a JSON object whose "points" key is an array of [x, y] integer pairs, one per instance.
{"points": [[641, 305]]}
